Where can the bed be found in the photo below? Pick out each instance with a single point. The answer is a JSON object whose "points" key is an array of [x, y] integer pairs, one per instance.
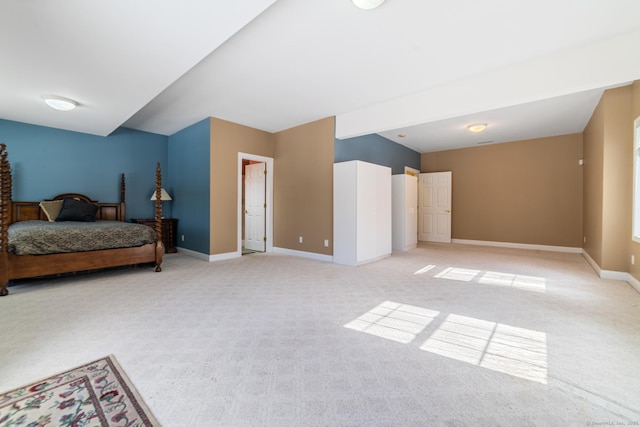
{"points": [[133, 244]]}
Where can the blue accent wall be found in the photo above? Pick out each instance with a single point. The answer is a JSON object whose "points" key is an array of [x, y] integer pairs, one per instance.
{"points": [[47, 161], [189, 163], [376, 149]]}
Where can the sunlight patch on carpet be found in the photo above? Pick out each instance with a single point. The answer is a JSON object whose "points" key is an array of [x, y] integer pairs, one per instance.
{"points": [[424, 269], [518, 281], [394, 321], [515, 351], [459, 274]]}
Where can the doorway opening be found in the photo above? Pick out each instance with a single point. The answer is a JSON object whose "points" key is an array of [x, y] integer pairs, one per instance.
{"points": [[255, 204]]}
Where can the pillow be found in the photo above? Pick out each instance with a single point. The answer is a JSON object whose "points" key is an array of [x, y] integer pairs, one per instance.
{"points": [[77, 210], [51, 209]]}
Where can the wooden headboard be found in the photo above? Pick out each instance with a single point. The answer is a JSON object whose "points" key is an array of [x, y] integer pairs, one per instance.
{"points": [[25, 211]]}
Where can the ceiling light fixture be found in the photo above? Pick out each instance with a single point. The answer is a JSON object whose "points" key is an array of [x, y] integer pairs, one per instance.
{"points": [[59, 102], [367, 4], [477, 127]]}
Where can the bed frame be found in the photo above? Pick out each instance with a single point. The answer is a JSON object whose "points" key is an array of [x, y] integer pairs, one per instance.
{"points": [[25, 266]]}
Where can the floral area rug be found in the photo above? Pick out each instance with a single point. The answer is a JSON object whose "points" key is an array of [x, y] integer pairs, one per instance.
{"points": [[95, 394]]}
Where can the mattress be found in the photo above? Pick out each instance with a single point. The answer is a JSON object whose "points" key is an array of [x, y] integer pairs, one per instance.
{"points": [[44, 237]]}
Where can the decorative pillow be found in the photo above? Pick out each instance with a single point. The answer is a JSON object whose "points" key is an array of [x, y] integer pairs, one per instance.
{"points": [[51, 209], [77, 210]]}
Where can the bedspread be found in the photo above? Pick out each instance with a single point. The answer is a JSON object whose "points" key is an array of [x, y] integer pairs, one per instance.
{"points": [[44, 237]]}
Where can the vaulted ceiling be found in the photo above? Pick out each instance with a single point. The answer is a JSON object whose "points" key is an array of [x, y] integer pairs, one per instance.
{"points": [[416, 68]]}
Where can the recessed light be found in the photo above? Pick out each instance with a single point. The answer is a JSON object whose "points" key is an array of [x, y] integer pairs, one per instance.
{"points": [[59, 102], [401, 135], [367, 4], [479, 127]]}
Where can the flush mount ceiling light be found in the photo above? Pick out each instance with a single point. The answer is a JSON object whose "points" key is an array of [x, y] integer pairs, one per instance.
{"points": [[367, 4], [59, 102], [477, 127]]}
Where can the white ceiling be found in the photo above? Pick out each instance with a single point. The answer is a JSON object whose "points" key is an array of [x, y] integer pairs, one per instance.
{"points": [[422, 68]]}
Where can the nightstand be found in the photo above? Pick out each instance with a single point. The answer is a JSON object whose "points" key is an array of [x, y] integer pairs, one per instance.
{"points": [[169, 231]]}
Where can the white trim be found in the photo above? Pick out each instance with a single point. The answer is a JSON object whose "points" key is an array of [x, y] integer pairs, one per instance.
{"points": [[606, 274], [603, 274], [519, 246], [406, 248], [209, 258], [193, 254], [268, 198], [612, 275], [303, 254], [225, 256], [591, 262], [415, 172], [634, 282]]}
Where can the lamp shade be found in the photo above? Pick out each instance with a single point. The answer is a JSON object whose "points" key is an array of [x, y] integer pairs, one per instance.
{"points": [[164, 196]]}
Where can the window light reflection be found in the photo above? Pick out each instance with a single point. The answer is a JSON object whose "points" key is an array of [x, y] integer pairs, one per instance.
{"points": [[424, 269], [527, 283], [460, 274], [515, 351], [394, 321]]}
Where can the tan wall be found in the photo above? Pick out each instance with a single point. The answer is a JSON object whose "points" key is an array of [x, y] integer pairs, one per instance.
{"points": [[520, 192], [634, 248], [618, 179], [593, 182], [303, 187], [227, 140], [609, 180]]}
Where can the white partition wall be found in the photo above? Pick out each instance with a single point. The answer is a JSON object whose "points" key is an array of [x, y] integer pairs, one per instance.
{"points": [[404, 191], [361, 212]]}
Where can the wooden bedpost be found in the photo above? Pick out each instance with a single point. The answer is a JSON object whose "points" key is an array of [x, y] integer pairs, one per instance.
{"points": [[123, 213], [5, 212], [158, 218]]}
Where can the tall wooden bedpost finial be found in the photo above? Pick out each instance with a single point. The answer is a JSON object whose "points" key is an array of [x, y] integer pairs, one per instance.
{"points": [[158, 218], [5, 197], [5, 212], [122, 189]]}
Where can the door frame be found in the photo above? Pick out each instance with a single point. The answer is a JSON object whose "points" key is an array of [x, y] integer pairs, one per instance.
{"points": [[268, 198]]}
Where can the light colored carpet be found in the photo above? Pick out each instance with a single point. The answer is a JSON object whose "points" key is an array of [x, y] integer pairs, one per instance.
{"points": [[442, 335]]}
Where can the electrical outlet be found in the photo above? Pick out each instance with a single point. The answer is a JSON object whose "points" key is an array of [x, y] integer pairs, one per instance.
{"points": [[633, 259], [182, 237], [326, 243], [299, 239], [584, 239]]}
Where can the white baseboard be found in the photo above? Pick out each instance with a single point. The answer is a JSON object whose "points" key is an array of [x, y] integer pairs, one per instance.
{"points": [[519, 246], [603, 274], [193, 254], [612, 275], [209, 258], [231, 255], [225, 256], [592, 263], [303, 254], [606, 274], [634, 282], [406, 248]]}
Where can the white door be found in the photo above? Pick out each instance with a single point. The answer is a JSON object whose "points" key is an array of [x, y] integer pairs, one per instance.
{"points": [[254, 205], [434, 207]]}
